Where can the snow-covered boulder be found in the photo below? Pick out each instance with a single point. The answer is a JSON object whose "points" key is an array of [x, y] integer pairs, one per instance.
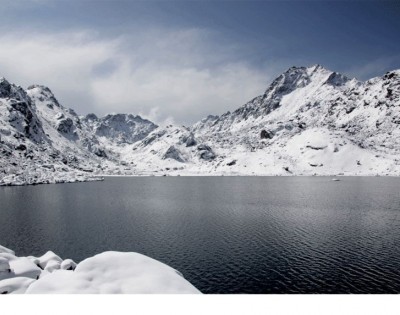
{"points": [[108, 272], [6, 250], [24, 267], [15, 285], [49, 260], [68, 264], [115, 272], [52, 266]]}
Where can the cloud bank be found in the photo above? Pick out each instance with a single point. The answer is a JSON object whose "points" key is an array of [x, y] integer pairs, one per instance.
{"points": [[164, 75]]}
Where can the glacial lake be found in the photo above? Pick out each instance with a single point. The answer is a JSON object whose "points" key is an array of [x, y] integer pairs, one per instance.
{"points": [[225, 234]]}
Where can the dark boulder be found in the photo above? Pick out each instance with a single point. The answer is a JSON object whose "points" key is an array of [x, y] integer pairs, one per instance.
{"points": [[266, 134], [100, 153], [190, 141], [65, 125], [205, 152], [173, 153], [231, 163], [20, 147]]}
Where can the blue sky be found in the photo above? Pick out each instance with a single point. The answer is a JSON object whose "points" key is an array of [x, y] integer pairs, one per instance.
{"points": [[177, 61]]}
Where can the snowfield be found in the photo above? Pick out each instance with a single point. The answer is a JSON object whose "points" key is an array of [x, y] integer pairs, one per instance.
{"points": [[105, 273], [309, 121]]}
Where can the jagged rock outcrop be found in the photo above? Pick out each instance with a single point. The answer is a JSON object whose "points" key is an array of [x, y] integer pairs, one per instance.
{"points": [[122, 128], [173, 153]]}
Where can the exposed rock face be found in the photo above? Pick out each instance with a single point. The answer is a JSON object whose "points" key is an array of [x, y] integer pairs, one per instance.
{"points": [[205, 152], [156, 135], [100, 152], [122, 128], [173, 153], [190, 141], [20, 147], [266, 134], [90, 117], [65, 125], [5, 88], [21, 112], [231, 163]]}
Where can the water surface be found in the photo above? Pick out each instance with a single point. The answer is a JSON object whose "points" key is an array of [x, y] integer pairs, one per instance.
{"points": [[225, 234]]}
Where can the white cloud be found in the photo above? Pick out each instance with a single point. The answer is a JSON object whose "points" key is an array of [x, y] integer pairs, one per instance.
{"points": [[166, 75]]}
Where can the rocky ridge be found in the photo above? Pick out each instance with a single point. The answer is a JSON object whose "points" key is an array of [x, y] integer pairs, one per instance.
{"points": [[309, 121]]}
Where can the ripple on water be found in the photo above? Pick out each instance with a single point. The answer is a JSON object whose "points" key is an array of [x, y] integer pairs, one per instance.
{"points": [[226, 235]]}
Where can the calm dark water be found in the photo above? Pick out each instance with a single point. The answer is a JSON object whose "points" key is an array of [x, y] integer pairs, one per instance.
{"points": [[225, 234]]}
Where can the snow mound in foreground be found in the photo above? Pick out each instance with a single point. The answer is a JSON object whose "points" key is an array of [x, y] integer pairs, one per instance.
{"points": [[105, 273]]}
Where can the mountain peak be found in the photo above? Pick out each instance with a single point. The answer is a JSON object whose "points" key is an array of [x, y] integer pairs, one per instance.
{"points": [[298, 77], [306, 70], [5, 87], [41, 88], [91, 117], [317, 66], [3, 79], [293, 78]]}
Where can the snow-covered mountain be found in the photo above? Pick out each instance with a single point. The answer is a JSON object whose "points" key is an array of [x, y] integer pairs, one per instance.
{"points": [[308, 121], [42, 141]]}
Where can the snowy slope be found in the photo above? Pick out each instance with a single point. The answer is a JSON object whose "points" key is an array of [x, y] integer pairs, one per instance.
{"points": [[28, 155], [43, 142], [309, 121]]}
